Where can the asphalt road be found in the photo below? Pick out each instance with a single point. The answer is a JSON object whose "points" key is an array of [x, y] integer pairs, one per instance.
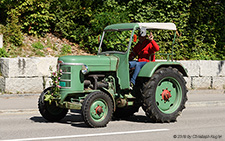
{"points": [[196, 123]]}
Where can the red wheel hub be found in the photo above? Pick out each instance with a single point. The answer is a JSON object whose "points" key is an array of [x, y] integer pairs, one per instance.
{"points": [[99, 110], [166, 95]]}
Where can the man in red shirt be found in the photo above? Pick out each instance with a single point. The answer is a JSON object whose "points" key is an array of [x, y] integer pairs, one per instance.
{"points": [[145, 48]]}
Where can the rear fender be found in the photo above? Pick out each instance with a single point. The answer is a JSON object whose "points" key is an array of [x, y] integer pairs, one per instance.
{"points": [[149, 68]]}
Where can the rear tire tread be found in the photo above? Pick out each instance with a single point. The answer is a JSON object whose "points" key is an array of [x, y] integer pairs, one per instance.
{"points": [[148, 95]]}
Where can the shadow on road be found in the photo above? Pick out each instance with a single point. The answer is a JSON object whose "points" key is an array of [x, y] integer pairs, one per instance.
{"points": [[75, 119], [135, 118]]}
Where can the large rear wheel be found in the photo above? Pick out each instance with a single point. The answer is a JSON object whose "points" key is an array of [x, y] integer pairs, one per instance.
{"points": [[164, 95]]}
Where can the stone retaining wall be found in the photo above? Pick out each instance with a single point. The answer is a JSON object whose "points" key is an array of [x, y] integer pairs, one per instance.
{"points": [[31, 75], [25, 75], [204, 74]]}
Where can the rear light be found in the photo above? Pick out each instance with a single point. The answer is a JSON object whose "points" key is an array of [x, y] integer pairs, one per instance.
{"points": [[58, 65]]}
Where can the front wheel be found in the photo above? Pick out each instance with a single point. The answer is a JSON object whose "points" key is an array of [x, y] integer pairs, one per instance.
{"points": [[164, 95], [97, 109], [49, 111]]}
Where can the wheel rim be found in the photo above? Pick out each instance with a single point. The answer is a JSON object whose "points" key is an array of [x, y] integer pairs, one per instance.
{"points": [[99, 110], [168, 95]]}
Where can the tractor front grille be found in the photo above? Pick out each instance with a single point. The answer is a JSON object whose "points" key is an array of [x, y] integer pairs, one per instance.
{"points": [[65, 81]]}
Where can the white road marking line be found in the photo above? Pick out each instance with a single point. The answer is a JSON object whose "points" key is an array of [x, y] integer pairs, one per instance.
{"points": [[90, 135]]}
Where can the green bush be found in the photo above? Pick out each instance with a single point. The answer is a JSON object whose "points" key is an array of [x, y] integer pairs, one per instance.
{"points": [[207, 30], [110, 13], [10, 26], [33, 16], [71, 17], [66, 49], [13, 33], [200, 24], [3, 53], [164, 11], [38, 45]]}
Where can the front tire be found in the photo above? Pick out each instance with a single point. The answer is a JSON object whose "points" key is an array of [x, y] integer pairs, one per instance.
{"points": [[49, 111], [97, 109], [164, 95]]}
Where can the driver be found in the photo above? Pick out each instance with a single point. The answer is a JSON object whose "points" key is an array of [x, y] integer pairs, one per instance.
{"points": [[143, 49]]}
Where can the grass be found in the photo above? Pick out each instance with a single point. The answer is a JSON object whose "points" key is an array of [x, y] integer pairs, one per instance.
{"points": [[66, 49], [34, 46], [38, 45]]}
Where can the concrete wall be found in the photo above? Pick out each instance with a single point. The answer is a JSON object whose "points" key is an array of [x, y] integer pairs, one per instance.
{"points": [[25, 75], [204, 74], [31, 75]]}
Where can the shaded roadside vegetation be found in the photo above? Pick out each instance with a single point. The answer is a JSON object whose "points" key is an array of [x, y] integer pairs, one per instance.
{"points": [[200, 24]]}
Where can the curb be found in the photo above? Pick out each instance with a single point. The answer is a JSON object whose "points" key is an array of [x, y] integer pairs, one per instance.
{"points": [[188, 104], [205, 104], [18, 95], [206, 91], [18, 111]]}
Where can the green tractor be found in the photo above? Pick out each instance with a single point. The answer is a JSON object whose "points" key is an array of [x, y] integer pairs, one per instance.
{"points": [[99, 86]]}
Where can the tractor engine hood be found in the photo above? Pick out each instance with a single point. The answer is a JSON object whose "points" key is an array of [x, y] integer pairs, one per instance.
{"points": [[94, 63]]}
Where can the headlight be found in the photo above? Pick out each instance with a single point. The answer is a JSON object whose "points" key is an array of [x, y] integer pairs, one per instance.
{"points": [[84, 69]]}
